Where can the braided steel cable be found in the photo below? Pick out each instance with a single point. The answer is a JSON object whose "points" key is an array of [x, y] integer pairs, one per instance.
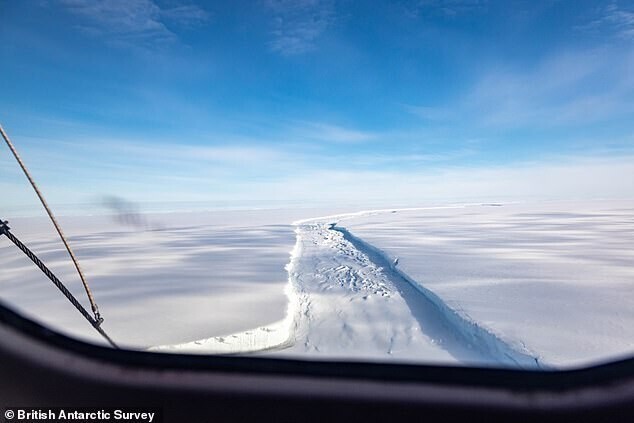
{"points": [[93, 304], [4, 230]]}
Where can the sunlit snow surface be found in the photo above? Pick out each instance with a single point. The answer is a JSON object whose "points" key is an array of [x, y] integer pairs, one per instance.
{"points": [[192, 276], [535, 286], [555, 280]]}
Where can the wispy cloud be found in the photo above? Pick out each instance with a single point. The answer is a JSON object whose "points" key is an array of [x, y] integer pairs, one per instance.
{"points": [[174, 172], [445, 7], [297, 24], [571, 88], [429, 113], [563, 178], [186, 15], [134, 23], [613, 19], [328, 133]]}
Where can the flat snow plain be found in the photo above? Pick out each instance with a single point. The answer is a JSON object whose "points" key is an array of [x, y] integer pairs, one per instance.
{"points": [[176, 278], [538, 286], [554, 280]]}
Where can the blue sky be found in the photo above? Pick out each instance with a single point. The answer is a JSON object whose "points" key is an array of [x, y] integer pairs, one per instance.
{"points": [[272, 102]]}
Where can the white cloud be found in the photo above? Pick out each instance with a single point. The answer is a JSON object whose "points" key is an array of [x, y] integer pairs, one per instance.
{"points": [[133, 23], [320, 132], [577, 88], [614, 19], [297, 24], [570, 178], [429, 113], [186, 15], [151, 172], [447, 8], [566, 89]]}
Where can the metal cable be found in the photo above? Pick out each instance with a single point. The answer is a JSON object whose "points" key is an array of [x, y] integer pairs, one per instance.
{"points": [[93, 304], [4, 230]]}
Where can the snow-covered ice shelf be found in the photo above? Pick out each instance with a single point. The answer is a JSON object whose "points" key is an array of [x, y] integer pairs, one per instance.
{"points": [[553, 279], [535, 286], [352, 303], [199, 275]]}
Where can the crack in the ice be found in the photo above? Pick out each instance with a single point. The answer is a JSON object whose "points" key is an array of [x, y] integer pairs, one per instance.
{"points": [[468, 331]]}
